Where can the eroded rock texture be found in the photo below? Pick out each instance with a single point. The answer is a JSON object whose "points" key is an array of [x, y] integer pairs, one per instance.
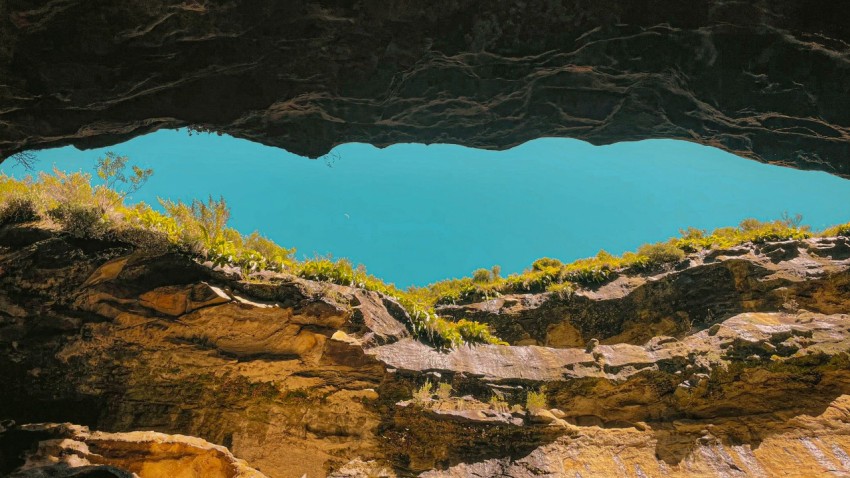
{"points": [[711, 285], [65, 450], [769, 80], [297, 377]]}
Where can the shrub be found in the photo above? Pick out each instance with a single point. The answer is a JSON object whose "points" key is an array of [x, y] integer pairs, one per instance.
{"points": [[250, 260], [277, 258], [143, 216], [749, 224], [81, 221], [18, 209], [535, 401], [11, 188], [692, 240], [327, 270], [62, 188], [423, 394], [481, 276], [839, 230], [473, 332], [775, 231], [497, 404], [533, 281], [444, 391], [562, 290], [588, 275], [661, 253], [201, 224], [545, 263], [25, 159]]}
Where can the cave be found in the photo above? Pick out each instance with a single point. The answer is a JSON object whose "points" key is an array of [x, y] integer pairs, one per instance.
{"points": [[144, 332]]}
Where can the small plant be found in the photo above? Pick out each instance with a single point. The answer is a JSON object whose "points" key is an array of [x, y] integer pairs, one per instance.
{"points": [[841, 230], [692, 240], [328, 270], [276, 258], [661, 253], [201, 225], [481, 276], [144, 217], [535, 401], [496, 403], [588, 275], [546, 263], [423, 394], [562, 290], [444, 391], [793, 222]]}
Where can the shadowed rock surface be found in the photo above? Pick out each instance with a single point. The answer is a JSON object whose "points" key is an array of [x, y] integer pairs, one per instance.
{"points": [[768, 80], [296, 376]]}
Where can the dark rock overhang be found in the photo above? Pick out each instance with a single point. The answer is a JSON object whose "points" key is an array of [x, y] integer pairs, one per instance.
{"points": [[768, 80]]}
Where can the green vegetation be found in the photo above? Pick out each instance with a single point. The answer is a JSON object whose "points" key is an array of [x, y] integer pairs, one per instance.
{"points": [[72, 202], [444, 391], [839, 230], [498, 404], [423, 394], [551, 275], [535, 401]]}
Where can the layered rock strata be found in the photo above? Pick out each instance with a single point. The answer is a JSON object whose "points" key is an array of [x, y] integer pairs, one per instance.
{"points": [[704, 288], [64, 450], [297, 377]]}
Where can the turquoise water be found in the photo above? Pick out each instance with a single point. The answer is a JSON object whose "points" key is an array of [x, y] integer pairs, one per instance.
{"points": [[414, 214]]}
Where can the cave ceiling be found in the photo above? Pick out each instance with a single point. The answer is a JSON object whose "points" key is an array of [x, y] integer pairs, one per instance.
{"points": [[767, 80]]}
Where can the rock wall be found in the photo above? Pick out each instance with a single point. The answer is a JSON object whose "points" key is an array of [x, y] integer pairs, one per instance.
{"points": [[298, 377], [768, 80], [65, 450], [708, 287]]}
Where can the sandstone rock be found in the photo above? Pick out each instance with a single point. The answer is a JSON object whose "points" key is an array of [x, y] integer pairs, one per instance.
{"points": [[298, 377], [816, 445], [72, 450], [542, 416], [635, 309]]}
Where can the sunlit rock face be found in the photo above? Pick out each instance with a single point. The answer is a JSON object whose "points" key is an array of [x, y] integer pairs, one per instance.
{"points": [[184, 369], [813, 274], [66, 450], [766, 80]]}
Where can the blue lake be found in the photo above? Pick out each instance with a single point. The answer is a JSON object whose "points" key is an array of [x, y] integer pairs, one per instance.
{"points": [[415, 214]]}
